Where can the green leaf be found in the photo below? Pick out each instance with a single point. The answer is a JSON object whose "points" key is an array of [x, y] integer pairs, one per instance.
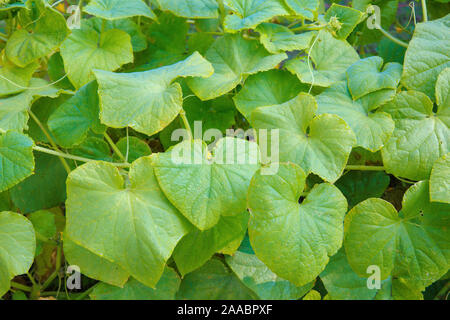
{"points": [[443, 89], [278, 39], [368, 75], [304, 8], [313, 295], [118, 9], [17, 246], [158, 100], [248, 14], [205, 185], [14, 79], [93, 148], [57, 73], [194, 9], [45, 189], [347, 18], [14, 109], [440, 180], [72, 121], [358, 186], [266, 89], [93, 265], [372, 127], [342, 283], [197, 247], [43, 31], [137, 148], [100, 201], [420, 136], [330, 59], [233, 58], [213, 281], [427, 55], [294, 240], [166, 289], [87, 49], [411, 245], [16, 159], [319, 144], [44, 225], [266, 284]]}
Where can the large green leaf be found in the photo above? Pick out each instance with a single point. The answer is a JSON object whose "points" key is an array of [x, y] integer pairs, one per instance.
{"points": [[266, 284], [45, 189], [266, 89], [166, 289], [14, 79], [330, 58], [93, 265], [304, 8], [72, 121], [195, 9], [420, 136], [411, 245], [294, 240], [198, 247], [205, 185], [369, 75], [16, 158], [17, 246], [213, 281], [342, 283], [87, 49], [118, 9], [233, 58], [157, 99], [128, 222], [440, 180], [371, 126], [43, 30], [427, 55], [248, 14], [319, 144], [14, 109], [277, 38]]}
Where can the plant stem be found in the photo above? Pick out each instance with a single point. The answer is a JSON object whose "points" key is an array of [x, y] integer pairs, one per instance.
{"points": [[309, 27], [30, 276], [86, 293], [365, 168], [114, 147], [19, 286], [186, 123], [443, 292], [392, 38], [76, 158], [50, 139], [425, 11]]}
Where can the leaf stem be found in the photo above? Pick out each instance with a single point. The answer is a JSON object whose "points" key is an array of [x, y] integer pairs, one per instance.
{"points": [[443, 292], [86, 293], [186, 123], [391, 37], [76, 158], [309, 27], [114, 147], [425, 11], [50, 139], [19, 286], [365, 168]]}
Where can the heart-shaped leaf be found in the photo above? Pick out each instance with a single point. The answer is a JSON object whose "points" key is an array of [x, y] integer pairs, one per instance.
{"points": [[206, 185], [17, 246], [157, 99], [318, 144], [346, 19], [411, 245], [277, 39], [233, 58], [306, 234], [368, 75], [99, 201]]}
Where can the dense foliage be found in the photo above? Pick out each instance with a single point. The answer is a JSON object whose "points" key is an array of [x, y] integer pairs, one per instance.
{"points": [[360, 180]]}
